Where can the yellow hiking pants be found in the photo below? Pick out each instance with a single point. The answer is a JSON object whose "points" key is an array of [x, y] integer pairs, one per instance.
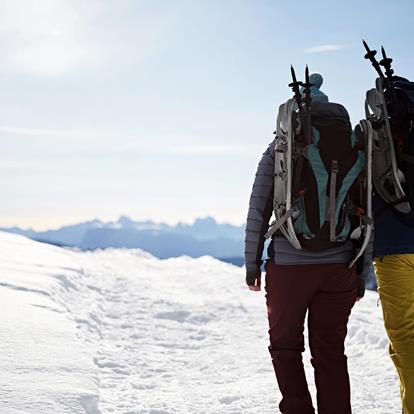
{"points": [[395, 276]]}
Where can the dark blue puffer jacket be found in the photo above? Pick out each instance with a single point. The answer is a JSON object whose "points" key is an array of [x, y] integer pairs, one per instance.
{"points": [[392, 236]]}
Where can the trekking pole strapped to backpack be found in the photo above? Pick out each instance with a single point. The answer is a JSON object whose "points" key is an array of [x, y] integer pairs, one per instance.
{"points": [[307, 101], [370, 55]]}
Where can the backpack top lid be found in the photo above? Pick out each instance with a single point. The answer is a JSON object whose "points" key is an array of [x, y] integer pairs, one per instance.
{"points": [[328, 113], [405, 92], [320, 105]]}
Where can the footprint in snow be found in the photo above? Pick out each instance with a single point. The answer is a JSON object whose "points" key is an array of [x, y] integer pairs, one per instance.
{"points": [[179, 316], [184, 316], [229, 400]]}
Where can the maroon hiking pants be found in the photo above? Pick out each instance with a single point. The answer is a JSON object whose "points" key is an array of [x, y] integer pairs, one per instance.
{"points": [[327, 292]]}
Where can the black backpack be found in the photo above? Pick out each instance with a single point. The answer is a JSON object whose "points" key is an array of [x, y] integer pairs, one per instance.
{"points": [[333, 180]]}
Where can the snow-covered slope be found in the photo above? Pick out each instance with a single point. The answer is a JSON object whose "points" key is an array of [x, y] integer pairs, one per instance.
{"points": [[119, 331], [44, 366]]}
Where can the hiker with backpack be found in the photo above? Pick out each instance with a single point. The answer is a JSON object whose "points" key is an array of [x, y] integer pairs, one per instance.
{"points": [[390, 110], [314, 177]]}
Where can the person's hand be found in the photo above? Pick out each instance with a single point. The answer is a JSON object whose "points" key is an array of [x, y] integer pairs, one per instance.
{"points": [[361, 290], [253, 280]]}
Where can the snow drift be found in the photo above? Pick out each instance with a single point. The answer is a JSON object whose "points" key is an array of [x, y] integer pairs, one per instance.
{"points": [[119, 331]]}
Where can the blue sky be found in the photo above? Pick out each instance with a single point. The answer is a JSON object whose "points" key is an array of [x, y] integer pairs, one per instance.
{"points": [[161, 109]]}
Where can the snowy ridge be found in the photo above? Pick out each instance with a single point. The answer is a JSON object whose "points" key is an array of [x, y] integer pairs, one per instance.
{"points": [[119, 331], [45, 367], [203, 237]]}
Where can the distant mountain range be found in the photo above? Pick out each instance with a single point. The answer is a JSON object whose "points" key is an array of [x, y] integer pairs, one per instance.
{"points": [[204, 237]]}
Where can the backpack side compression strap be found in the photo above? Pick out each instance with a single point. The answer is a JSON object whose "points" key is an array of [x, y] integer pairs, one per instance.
{"points": [[348, 181], [321, 176]]}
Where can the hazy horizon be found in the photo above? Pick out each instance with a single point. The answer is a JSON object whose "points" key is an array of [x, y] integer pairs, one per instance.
{"points": [[117, 218]]}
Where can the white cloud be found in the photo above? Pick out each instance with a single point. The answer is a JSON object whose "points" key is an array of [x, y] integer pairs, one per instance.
{"points": [[54, 37], [324, 48], [42, 37]]}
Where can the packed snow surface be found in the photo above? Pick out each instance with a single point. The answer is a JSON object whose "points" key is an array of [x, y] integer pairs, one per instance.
{"points": [[119, 331]]}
